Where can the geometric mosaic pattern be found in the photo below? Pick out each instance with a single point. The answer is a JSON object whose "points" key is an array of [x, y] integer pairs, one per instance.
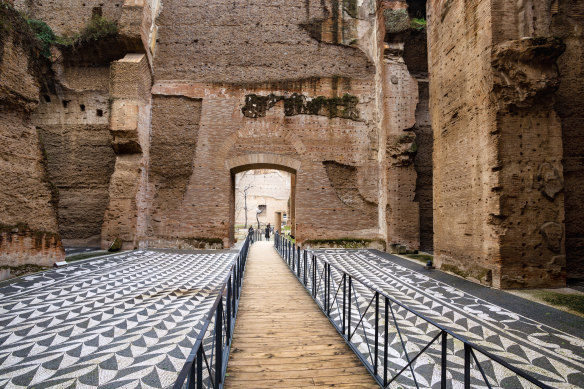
{"points": [[552, 356], [127, 321]]}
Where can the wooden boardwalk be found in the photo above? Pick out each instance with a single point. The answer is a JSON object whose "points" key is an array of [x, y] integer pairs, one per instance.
{"points": [[282, 339]]}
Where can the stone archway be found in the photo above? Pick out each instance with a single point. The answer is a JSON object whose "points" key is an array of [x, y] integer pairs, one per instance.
{"points": [[247, 162]]}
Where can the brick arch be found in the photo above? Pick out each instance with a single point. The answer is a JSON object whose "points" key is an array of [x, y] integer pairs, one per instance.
{"points": [[226, 147], [262, 161]]}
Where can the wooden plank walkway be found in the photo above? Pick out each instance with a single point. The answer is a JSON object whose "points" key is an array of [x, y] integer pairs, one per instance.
{"points": [[282, 339]]}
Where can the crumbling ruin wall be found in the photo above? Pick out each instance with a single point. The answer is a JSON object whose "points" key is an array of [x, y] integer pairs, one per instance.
{"points": [[465, 152], [28, 218], [409, 133], [498, 180], [283, 81], [129, 124], [72, 121], [423, 165], [67, 18], [401, 98], [567, 18]]}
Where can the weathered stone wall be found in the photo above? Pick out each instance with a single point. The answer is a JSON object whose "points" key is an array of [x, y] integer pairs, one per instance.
{"points": [[68, 17], [28, 219], [566, 23], [409, 132], [286, 91], [464, 158], [423, 165], [225, 134], [497, 152], [125, 217], [73, 126], [401, 99]]}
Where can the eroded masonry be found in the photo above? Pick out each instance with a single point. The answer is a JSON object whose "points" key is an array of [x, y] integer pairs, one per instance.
{"points": [[453, 126]]}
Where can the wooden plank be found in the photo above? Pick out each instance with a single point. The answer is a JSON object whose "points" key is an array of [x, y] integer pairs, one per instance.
{"points": [[282, 339]]}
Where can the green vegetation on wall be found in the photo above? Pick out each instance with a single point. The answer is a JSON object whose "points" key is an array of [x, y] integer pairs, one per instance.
{"points": [[97, 28], [418, 24], [44, 34]]}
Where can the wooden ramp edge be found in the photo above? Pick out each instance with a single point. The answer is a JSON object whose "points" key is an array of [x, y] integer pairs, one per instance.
{"points": [[281, 338]]}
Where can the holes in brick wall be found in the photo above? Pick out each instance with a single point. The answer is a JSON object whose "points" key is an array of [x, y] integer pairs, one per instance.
{"points": [[47, 98], [99, 112], [66, 103], [82, 107]]}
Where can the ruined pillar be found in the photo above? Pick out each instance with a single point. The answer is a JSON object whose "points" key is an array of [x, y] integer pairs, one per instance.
{"points": [[130, 84], [498, 177]]}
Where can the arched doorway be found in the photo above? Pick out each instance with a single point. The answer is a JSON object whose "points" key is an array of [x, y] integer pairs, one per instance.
{"points": [[264, 163]]}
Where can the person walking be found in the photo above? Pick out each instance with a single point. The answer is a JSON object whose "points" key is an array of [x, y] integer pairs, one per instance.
{"points": [[268, 229]]}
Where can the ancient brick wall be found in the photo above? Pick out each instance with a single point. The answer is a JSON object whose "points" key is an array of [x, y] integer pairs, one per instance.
{"points": [[497, 153], [278, 96], [69, 17], [129, 124], [423, 166], [28, 219], [567, 18], [465, 152], [225, 134], [73, 124]]}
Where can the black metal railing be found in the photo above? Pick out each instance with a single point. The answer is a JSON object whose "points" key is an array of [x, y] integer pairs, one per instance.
{"points": [[256, 236], [391, 338], [260, 236], [206, 364]]}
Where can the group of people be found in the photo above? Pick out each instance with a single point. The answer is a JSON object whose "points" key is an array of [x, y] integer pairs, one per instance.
{"points": [[267, 231]]}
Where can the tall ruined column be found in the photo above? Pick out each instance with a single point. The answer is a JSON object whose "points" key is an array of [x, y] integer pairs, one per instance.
{"points": [[130, 127], [400, 99], [498, 199]]}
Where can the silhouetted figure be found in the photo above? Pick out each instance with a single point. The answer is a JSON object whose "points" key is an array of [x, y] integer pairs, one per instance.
{"points": [[268, 229]]}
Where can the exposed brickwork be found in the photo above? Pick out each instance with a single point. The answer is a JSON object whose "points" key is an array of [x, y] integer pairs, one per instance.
{"points": [[125, 217], [337, 94], [67, 18], [500, 208], [566, 23], [73, 128], [28, 218]]}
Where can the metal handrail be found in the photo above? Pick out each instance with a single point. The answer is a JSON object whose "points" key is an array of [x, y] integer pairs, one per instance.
{"points": [[222, 314], [312, 282]]}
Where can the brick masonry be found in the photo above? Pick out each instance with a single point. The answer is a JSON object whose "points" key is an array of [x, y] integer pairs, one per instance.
{"points": [[143, 133]]}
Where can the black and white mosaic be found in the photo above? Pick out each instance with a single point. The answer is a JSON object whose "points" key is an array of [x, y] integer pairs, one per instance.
{"points": [[123, 322], [552, 356]]}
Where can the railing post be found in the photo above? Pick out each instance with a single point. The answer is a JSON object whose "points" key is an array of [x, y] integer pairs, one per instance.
{"points": [[385, 342], [219, 344], [329, 290], [305, 255], [298, 262], [344, 300], [325, 291], [314, 276], [443, 372], [349, 313], [376, 332], [200, 367], [228, 304], [466, 366], [234, 290]]}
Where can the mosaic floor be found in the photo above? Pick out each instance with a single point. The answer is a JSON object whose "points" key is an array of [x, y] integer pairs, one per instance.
{"points": [[122, 322], [552, 356]]}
